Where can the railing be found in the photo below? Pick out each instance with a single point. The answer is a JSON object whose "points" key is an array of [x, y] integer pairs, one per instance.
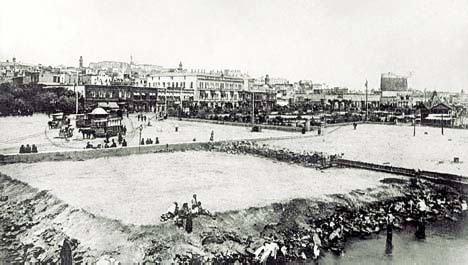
{"points": [[438, 177]]}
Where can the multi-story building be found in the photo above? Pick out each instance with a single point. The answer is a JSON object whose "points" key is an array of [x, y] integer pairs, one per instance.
{"points": [[394, 91], [129, 98], [198, 88]]}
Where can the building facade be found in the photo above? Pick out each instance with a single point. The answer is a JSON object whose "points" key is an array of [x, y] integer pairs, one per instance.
{"points": [[128, 98], [199, 88]]}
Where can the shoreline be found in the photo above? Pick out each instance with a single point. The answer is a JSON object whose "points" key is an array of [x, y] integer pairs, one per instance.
{"points": [[234, 235]]}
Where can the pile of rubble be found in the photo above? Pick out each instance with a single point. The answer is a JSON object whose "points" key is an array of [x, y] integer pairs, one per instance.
{"points": [[303, 234], [18, 218], [314, 159]]}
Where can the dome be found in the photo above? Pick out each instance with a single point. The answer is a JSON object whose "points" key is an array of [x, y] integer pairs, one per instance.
{"points": [[99, 111]]}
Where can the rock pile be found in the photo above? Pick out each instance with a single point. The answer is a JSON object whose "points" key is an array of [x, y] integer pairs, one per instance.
{"points": [[304, 231], [311, 159], [17, 219]]}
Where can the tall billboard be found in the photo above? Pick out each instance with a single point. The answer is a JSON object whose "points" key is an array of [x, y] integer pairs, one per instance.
{"points": [[392, 82]]}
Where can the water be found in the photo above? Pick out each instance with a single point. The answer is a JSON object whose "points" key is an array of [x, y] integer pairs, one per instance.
{"points": [[446, 243]]}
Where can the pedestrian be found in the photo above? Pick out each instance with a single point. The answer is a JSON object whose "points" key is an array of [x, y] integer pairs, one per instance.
{"points": [[28, 149], [354, 125], [212, 136], [194, 201], [142, 141], [113, 144], [157, 140], [33, 149], [120, 138], [124, 143], [189, 223], [177, 128], [22, 149]]}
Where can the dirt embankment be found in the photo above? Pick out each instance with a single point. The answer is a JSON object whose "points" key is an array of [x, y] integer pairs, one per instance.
{"points": [[35, 223]]}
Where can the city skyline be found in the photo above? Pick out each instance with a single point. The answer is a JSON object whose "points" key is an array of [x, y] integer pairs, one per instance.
{"points": [[342, 44]]}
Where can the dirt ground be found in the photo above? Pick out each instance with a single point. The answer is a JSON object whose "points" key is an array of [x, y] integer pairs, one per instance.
{"points": [[138, 189], [35, 223]]}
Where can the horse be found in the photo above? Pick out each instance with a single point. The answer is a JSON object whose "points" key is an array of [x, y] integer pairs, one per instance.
{"points": [[88, 133]]}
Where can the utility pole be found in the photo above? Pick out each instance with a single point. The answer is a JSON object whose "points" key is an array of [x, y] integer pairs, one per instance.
{"points": [[165, 102], [367, 111], [76, 94], [442, 122], [253, 108], [414, 124], [139, 141]]}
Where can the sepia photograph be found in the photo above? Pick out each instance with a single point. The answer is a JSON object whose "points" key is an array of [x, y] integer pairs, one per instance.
{"points": [[234, 132]]}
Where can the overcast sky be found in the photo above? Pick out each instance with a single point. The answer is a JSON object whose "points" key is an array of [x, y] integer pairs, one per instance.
{"points": [[340, 42]]}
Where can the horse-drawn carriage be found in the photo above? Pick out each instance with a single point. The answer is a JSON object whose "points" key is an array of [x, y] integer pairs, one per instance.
{"points": [[57, 120], [66, 131], [104, 127]]}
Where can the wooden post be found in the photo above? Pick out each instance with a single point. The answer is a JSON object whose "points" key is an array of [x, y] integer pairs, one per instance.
{"points": [[66, 256], [442, 123]]}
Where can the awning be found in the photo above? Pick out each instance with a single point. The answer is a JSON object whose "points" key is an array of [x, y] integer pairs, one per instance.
{"points": [[109, 105]]}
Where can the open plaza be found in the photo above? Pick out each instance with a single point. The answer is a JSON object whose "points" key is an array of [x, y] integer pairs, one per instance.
{"points": [[391, 145], [138, 190]]}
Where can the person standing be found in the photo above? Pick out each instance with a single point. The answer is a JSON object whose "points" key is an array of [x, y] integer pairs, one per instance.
{"points": [[212, 136], [189, 223], [194, 201]]}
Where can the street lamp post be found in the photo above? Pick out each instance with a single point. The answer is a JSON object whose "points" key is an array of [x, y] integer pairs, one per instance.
{"points": [[253, 108], [165, 102], [139, 141]]}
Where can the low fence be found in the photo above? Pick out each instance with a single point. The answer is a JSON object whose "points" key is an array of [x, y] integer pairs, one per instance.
{"points": [[436, 177], [265, 126], [85, 154]]}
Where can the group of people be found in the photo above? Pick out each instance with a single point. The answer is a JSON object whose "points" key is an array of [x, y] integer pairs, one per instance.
{"points": [[183, 216], [109, 143], [28, 149], [149, 141], [142, 117]]}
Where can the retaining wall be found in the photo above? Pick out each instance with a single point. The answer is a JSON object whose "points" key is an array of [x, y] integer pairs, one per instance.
{"points": [[458, 181], [85, 154]]}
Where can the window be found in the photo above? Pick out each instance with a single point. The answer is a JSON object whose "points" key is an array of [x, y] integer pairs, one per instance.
{"points": [[191, 84]]}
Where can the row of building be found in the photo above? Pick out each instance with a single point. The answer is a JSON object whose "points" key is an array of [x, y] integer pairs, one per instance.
{"points": [[153, 88]]}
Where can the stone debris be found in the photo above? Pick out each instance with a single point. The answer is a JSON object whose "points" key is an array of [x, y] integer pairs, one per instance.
{"points": [[308, 159]]}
